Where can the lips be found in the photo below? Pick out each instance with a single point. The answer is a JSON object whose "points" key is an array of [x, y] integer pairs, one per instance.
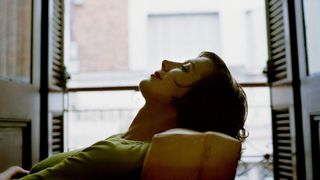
{"points": [[157, 75]]}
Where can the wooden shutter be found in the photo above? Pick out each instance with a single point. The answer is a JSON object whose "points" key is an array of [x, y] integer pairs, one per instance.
{"points": [[279, 51], [56, 142], [57, 78], [57, 69], [282, 141], [283, 78], [315, 145]]}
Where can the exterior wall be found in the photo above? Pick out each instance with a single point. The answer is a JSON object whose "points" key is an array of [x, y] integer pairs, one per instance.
{"points": [[119, 35], [243, 39], [101, 25]]}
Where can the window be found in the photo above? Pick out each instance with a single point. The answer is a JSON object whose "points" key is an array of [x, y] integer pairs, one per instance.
{"points": [[16, 41], [181, 36], [312, 28], [117, 43]]}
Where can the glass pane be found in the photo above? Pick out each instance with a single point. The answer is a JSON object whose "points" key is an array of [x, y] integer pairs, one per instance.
{"points": [[312, 28], [258, 146], [15, 38], [112, 43], [177, 42], [93, 116]]}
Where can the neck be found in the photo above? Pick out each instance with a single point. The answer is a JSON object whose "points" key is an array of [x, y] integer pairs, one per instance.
{"points": [[151, 119]]}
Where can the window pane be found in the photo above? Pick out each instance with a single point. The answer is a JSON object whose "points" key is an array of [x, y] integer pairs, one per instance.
{"points": [[115, 43], [312, 28], [15, 40], [258, 146], [181, 36], [93, 116], [112, 43]]}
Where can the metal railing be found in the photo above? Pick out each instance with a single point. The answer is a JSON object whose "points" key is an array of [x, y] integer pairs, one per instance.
{"points": [[86, 126], [258, 169]]}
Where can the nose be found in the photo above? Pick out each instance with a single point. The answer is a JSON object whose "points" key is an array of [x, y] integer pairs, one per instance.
{"points": [[168, 65]]}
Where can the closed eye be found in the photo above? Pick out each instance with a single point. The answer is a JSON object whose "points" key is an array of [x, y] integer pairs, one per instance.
{"points": [[184, 69]]}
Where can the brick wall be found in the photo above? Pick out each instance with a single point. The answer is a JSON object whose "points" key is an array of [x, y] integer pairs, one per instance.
{"points": [[100, 28]]}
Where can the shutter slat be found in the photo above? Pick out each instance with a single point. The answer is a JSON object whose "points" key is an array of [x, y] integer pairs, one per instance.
{"points": [[57, 25], [283, 162], [56, 121], [273, 2], [57, 128], [283, 128], [281, 75], [277, 37], [56, 146], [58, 29], [278, 43], [286, 155], [56, 140], [56, 69], [283, 141], [57, 6], [278, 49], [285, 174], [278, 24], [57, 62], [282, 115], [279, 62], [279, 55], [57, 75], [283, 135], [280, 68], [58, 53], [277, 18], [275, 5], [57, 133], [57, 56], [316, 118], [286, 168], [275, 11], [282, 122], [277, 46]]}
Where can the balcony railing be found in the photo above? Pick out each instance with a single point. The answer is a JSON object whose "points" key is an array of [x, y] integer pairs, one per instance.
{"points": [[88, 122]]}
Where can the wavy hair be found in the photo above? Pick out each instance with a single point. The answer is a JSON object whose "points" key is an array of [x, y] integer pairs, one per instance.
{"points": [[214, 103]]}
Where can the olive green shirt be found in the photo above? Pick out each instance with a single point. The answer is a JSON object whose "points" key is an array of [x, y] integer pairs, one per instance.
{"points": [[113, 158]]}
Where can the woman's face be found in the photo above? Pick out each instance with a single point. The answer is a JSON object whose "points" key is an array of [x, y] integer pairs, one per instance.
{"points": [[175, 79]]}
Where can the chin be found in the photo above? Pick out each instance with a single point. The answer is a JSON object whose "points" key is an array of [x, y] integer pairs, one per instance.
{"points": [[143, 86]]}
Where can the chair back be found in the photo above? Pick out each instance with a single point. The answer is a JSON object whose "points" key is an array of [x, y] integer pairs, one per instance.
{"points": [[186, 154]]}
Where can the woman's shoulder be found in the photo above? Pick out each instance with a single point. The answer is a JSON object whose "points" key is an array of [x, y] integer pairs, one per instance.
{"points": [[119, 138], [117, 144]]}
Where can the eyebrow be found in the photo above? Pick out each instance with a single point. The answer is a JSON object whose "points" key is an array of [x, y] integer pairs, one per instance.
{"points": [[192, 64]]}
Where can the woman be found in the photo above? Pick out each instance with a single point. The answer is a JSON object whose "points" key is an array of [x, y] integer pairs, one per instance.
{"points": [[198, 94]]}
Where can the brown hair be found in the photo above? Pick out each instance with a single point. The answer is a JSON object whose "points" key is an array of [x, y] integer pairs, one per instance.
{"points": [[215, 103]]}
